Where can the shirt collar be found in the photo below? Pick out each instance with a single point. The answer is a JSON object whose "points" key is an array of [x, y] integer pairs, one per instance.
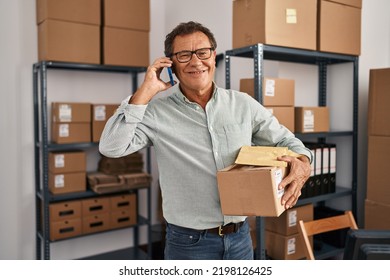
{"points": [[179, 94]]}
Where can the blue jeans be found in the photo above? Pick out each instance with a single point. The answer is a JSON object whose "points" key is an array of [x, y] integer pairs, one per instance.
{"points": [[188, 244]]}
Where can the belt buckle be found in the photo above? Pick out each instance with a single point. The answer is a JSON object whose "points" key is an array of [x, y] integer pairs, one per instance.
{"points": [[220, 231]]}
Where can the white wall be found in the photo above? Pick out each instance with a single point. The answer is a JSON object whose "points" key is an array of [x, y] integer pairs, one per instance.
{"points": [[18, 51]]}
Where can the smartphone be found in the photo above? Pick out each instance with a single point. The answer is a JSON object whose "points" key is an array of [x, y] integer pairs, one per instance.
{"points": [[170, 76]]}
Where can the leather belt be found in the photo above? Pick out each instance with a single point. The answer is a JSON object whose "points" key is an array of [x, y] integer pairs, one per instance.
{"points": [[226, 229]]}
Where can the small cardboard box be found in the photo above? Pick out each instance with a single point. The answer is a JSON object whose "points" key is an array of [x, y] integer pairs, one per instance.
{"points": [[287, 223], [85, 11], [125, 47], [251, 190], [64, 133], [123, 218], [71, 112], [93, 206], [123, 202], [96, 223], [276, 91], [65, 229], [67, 183], [284, 247], [285, 116], [377, 167], [68, 41], [376, 215], [378, 102], [67, 162], [291, 23], [65, 210], [129, 14], [311, 119], [339, 29], [100, 114]]}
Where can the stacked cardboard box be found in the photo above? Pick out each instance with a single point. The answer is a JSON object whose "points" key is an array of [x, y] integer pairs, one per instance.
{"points": [[65, 219], [377, 204], [282, 238], [67, 172], [329, 25], [339, 26], [311, 119], [85, 216], [126, 26], [100, 115], [69, 30], [278, 97], [289, 23], [71, 122]]}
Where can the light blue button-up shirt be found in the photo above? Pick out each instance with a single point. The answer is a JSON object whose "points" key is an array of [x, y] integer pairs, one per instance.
{"points": [[191, 144]]}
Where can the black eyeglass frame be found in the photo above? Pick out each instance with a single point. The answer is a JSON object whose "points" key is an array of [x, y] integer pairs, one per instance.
{"points": [[211, 49]]}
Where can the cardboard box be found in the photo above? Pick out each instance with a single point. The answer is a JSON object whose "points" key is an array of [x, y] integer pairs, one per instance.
{"points": [[285, 116], [251, 191], [63, 133], [84, 11], [65, 229], [276, 91], [67, 162], [339, 29], [130, 14], [93, 206], [125, 47], [287, 223], [376, 215], [123, 218], [67, 210], [100, 115], [67, 183], [379, 102], [352, 3], [95, 223], [71, 112], [68, 41], [284, 247], [311, 119], [123, 202], [377, 167], [289, 23]]}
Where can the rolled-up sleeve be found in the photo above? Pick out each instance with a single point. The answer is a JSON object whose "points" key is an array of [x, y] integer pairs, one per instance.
{"points": [[125, 133]]}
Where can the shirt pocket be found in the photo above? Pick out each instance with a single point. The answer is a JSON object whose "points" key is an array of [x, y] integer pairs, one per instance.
{"points": [[237, 135]]}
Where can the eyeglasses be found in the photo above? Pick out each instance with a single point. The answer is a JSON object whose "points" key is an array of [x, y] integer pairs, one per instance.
{"points": [[185, 56]]}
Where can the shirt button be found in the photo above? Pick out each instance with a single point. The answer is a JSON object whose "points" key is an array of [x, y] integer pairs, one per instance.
{"points": [[211, 128]]}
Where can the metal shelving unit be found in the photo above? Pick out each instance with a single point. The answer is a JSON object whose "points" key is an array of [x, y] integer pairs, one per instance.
{"points": [[261, 52], [42, 147]]}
